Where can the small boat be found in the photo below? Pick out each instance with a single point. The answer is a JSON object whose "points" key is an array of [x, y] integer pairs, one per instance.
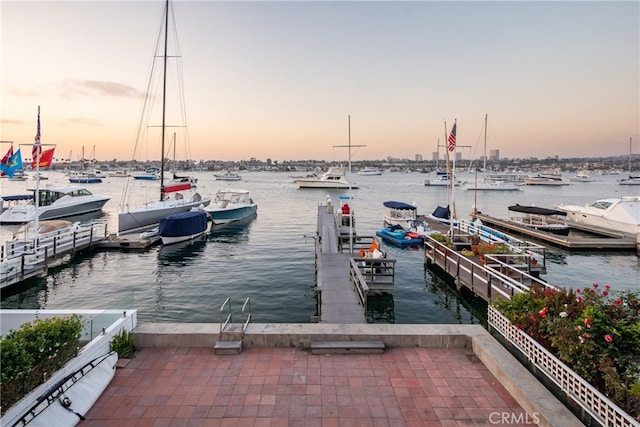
{"points": [[55, 202], [182, 226], [398, 236], [541, 219], [84, 178], [227, 176], [335, 178], [399, 213], [150, 174], [441, 180], [620, 214], [442, 214], [581, 177], [545, 179], [69, 400], [231, 205], [370, 171], [631, 179]]}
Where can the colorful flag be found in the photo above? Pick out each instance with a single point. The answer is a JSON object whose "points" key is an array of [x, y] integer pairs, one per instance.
{"points": [[36, 143], [46, 159], [13, 164], [452, 138], [5, 159]]}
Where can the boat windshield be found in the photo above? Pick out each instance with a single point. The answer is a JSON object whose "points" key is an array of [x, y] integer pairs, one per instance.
{"points": [[601, 205]]}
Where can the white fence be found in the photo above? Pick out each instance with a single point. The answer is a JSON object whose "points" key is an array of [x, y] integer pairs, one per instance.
{"points": [[591, 400]]}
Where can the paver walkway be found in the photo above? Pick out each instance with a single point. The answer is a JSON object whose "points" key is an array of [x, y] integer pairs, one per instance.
{"points": [[291, 387]]}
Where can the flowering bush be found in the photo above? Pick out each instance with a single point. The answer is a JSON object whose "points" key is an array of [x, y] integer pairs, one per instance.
{"points": [[593, 331]]}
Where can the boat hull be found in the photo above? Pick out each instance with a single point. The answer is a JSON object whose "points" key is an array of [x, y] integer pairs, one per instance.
{"points": [[147, 217], [224, 216], [27, 213]]}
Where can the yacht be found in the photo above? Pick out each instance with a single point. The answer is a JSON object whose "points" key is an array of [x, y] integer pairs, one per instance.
{"points": [[618, 214], [335, 177], [545, 179], [55, 202]]}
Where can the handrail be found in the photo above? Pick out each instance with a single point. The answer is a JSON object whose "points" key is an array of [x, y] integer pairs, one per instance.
{"points": [[245, 323], [226, 322], [359, 282]]}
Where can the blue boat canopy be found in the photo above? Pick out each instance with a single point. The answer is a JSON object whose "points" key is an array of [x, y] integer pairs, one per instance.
{"points": [[17, 197], [183, 224], [399, 205]]}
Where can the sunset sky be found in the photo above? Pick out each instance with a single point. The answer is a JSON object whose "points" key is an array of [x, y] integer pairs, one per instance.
{"points": [[279, 79]]}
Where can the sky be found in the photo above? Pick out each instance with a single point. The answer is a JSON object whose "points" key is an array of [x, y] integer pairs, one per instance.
{"points": [[296, 80]]}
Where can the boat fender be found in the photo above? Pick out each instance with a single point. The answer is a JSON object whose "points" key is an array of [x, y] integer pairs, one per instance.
{"points": [[66, 404]]}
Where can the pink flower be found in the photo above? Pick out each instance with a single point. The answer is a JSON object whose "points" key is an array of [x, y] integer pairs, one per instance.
{"points": [[607, 287], [608, 338], [579, 299], [543, 313], [595, 285], [587, 322], [578, 291], [605, 293]]}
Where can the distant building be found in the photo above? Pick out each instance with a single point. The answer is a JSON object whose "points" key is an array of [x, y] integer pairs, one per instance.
{"points": [[418, 157], [434, 156], [494, 155]]}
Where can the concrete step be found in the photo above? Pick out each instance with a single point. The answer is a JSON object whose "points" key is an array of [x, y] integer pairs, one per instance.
{"points": [[227, 347], [347, 347]]}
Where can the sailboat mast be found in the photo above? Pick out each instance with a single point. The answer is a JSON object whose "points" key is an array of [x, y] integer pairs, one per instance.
{"points": [[164, 96], [484, 167], [630, 148]]}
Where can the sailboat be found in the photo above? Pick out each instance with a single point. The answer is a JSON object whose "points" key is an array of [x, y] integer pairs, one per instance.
{"points": [[492, 182], [632, 179], [148, 216]]}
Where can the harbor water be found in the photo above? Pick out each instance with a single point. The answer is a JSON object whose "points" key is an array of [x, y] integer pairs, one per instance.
{"points": [[270, 259]]}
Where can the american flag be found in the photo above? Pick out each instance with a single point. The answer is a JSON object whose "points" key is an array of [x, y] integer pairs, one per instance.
{"points": [[36, 144], [452, 138]]}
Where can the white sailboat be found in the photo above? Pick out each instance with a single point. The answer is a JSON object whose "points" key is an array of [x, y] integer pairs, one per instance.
{"points": [[148, 215], [491, 182], [632, 179]]}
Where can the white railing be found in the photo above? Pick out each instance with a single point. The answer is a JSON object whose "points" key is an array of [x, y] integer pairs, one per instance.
{"points": [[588, 397]]}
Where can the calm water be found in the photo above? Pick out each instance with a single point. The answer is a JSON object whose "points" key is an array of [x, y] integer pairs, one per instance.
{"points": [[271, 258]]}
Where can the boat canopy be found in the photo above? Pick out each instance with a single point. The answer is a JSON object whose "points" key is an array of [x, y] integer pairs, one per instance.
{"points": [[17, 197], [535, 210], [182, 224], [399, 205], [442, 212]]}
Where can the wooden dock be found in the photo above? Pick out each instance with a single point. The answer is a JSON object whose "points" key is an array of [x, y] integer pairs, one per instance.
{"points": [[126, 242], [595, 237], [344, 281]]}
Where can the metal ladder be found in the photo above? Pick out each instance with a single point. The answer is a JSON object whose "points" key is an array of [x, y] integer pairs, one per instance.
{"points": [[231, 334]]}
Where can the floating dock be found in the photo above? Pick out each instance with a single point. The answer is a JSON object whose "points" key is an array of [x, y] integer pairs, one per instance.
{"points": [[133, 241], [594, 238], [344, 280]]}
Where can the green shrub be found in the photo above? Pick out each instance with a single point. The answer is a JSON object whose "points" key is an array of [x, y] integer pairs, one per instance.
{"points": [[123, 344], [33, 353]]}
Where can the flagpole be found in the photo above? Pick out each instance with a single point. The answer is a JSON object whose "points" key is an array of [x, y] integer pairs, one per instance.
{"points": [[37, 198]]}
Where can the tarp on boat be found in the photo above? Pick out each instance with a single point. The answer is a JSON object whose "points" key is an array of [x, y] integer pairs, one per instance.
{"points": [[399, 205], [535, 210], [442, 212], [183, 224]]}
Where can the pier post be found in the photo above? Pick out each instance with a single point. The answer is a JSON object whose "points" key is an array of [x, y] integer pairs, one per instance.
{"points": [[638, 243]]}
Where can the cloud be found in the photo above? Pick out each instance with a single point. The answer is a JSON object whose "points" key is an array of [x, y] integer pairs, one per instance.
{"points": [[99, 88]]}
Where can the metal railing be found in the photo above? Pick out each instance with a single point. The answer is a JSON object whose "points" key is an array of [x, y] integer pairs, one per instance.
{"points": [[228, 320], [580, 391], [246, 314]]}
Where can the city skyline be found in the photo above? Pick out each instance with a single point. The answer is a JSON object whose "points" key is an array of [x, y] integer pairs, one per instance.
{"points": [[279, 79]]}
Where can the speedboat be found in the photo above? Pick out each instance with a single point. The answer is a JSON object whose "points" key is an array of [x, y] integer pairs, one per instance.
{"points": [[399, 213], [370, 171], [55, 202], [231, 205], [542, 219], [335, 177], [618, 214], [545, 179], [442, 179]]}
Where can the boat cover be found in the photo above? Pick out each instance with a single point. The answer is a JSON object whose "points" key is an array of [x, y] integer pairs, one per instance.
{"points": [[442, 212], [183, 224], [17, 197], [399, 205], [535, 210]]}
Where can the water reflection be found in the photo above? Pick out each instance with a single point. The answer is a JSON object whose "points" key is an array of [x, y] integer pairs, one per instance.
{"points": [[380, 309], [464, 305], [183, 253], [233, 232]]}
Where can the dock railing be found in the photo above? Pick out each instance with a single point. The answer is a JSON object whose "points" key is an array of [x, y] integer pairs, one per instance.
{"points": [[484, 280], [359, 283]]}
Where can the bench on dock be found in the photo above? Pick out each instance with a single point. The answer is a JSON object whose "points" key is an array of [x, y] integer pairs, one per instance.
{"points": [[347, 347]]}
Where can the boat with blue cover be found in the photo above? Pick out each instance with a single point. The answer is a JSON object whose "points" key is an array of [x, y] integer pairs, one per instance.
{"points": [[182, 226]]}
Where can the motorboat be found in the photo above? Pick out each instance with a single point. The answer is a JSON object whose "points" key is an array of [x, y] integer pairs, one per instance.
{"points": [[631, 180], [541, 219], [84, 178], [150, 174], [370, 171], [399, 213], [231, 205], [227, 176], [620, 214], [399, 236], [442, 180], [581, 177], [183, 226], [335, 177], [490, 184], [55, 202], [545, 179]]}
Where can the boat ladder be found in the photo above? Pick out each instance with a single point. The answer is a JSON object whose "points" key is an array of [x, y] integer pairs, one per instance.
{"points": [[231, 334]]}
